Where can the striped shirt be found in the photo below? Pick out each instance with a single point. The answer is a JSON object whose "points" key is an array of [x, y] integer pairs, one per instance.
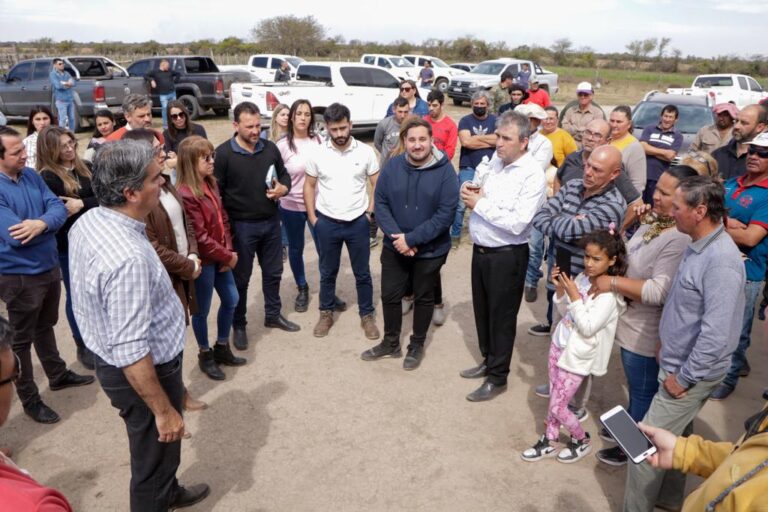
{"points": [[122, 295], [567, 217]]}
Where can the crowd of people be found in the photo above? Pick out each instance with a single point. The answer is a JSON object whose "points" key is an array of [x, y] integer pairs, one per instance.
{"points": [[666, 260]]}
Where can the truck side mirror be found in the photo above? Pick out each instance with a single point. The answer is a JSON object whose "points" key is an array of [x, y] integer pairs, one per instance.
{"points": [[117, 74]]}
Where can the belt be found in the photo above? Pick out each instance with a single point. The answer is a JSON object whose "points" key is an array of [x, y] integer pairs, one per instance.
{"points": [[502, 248], [337, 221]]}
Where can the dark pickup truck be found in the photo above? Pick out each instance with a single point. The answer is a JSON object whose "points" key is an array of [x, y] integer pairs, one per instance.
{"points": [[200, 85], [100, 83]]}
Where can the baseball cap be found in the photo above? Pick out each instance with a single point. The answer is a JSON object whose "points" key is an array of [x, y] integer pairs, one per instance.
{"points": [[760, 140], [531, 110], [533, 80], [584, 87], [732, 110]]}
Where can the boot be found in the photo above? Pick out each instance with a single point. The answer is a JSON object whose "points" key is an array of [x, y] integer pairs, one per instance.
{"points": [[208, 366], [222, 354], [302, 299]]}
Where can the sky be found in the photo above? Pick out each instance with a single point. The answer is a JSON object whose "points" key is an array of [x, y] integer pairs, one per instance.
{"points": [[704, 28]]}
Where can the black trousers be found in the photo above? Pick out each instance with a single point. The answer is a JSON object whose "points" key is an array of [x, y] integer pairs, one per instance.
{"points": [[33, 310], [498, 280], [399, 274], [153, 464]]}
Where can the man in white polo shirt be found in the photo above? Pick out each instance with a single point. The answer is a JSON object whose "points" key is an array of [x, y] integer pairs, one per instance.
{"points": [[339, 207]]}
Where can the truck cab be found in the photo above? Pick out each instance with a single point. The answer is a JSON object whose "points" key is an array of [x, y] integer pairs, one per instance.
{"points": [[398, 66], [443, 72]]}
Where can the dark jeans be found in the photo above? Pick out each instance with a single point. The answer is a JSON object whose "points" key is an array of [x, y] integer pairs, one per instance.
{"points": [[643, 381], [293, 228], [153, 464], [33, 310], [261, 239], [739, 357], [331, 235], [438, 289], [398, 273], [498, 279], [224, 284], [64, 261]]}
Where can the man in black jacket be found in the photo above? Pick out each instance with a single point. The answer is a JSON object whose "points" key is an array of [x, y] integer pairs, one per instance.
{"points": [[163, 82]]}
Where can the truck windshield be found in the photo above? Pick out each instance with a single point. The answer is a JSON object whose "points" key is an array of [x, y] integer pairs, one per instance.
{"points": [[488, 68], [692, 117], [439, 63], [295, 61], [713, 81], [400, 62]]}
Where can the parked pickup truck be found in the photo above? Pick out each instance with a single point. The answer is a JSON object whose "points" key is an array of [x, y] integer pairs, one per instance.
{"points": [[443, 72], [742, 90], [398, 66], [488, 73], [201, 85], [262, 67], [100, 83], [366, 90]]}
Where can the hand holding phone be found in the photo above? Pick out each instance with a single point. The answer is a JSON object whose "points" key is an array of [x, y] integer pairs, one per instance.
{"points": [[627, 434]]}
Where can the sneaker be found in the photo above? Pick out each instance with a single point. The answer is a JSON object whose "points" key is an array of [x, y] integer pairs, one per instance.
{"points": [[542, 391], [531, 293], [407, 304], [575, 450], [373, 242], [368, 323], [455, 240], [606, 436], [540, 330], [612, 456], [383, 349], [324, 324], [438, 315], [542, 449]]}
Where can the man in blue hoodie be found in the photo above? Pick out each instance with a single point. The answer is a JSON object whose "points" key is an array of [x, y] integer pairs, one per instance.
{"points": [[415, 203]]}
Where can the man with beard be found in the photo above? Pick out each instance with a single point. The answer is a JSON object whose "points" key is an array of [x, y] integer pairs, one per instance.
{"points": [[714, 136], [388, 130], [137, 109], [415, 200], [732, 158]]}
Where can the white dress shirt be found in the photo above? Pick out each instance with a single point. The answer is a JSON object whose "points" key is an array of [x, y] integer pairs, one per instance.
{"points": [[540, 148], [511, 195]]}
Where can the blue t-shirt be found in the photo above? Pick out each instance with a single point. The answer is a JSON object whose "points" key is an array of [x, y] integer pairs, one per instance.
{"points": [[750, 206], [523, 77], [472, 157], [661, 139]]}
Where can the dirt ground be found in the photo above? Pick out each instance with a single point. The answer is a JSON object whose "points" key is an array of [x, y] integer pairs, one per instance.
{"points": [[307, 425]]}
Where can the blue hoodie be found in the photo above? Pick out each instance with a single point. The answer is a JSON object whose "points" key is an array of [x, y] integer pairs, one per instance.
{"points": [[419, 202]]}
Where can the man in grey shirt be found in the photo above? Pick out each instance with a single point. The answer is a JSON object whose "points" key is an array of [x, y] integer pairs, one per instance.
{"points": [[387, 134], [699, 331]]}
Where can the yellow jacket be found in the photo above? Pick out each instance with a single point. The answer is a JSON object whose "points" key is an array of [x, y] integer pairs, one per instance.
{"points": [[723, 465]]}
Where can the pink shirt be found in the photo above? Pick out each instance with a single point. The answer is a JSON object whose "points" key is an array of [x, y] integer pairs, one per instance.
{"points": [[296, 164]]}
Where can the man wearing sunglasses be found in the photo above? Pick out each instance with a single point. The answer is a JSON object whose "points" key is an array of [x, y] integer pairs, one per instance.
{"points": [[576, 119], [732, 158], [746, 199]]}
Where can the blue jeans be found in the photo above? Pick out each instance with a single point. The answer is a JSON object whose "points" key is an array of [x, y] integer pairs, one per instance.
{"points": [[224, 283], [535, 257], [293, 228], [751, 291], [164, 99], [261, 239], [64, 263], [331, 235], [643, 381], [66, 113], [465, 174]]}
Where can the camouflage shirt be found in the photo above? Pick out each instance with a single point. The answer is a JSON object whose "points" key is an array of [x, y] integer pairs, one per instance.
{"points": [[499, 96]]}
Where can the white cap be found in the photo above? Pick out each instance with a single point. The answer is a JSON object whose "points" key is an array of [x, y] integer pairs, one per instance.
{"points": [[760, 140], [584, 87], [531, 110]]}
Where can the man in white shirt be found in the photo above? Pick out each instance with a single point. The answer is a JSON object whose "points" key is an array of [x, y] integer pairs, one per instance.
{"points": [[339, 207], [512, 187]]}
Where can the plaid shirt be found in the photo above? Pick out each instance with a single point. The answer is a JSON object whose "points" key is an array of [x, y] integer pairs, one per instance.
{"points": [[567, 217], [122, 295]]}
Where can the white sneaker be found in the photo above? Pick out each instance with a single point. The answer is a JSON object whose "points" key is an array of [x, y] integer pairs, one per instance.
{"points": [[575, 450], [541, 450], [438, 315]]}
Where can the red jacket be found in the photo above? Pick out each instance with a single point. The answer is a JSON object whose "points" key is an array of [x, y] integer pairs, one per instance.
{"points": [[211, 225]]}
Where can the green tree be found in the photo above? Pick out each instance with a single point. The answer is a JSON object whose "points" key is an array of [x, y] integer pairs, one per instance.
{"points": [[661, 46], [289, 34], [561, 49], [635, 49]]}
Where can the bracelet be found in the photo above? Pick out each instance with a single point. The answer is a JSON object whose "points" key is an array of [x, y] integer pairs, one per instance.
{"points": [[613, 284]]}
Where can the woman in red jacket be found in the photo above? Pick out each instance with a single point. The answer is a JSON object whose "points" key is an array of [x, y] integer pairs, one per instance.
{"points": [[200, 193]]}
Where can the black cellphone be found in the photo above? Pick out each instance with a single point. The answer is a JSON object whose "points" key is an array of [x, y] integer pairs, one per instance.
{"points": [[563, 261]]}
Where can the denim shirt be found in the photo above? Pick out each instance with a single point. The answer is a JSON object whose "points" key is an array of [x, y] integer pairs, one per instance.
{"points": [[61, 93]]}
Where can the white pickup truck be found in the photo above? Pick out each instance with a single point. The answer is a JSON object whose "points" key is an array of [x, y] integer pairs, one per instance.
{"points": [[366, 90], [443, 72], [263, 66], [488, 73], [742, 90]]}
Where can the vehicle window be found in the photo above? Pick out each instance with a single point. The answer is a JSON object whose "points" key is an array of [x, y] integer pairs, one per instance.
{"points": [[438, 63], [139, 68], [380, 78], [199, 65], [113, 69], [178, 65], [356, 77], [513, 68], [295, 61], [402, 63], [713, 81], [753, 85], [89, 68], [743, 83], [692, 117], [488, 68], [369, 59], [20, 72], [42, 70], [276, 63], [410, 58], [259, 62], [384, 63], [314, 73], [538, 69]]}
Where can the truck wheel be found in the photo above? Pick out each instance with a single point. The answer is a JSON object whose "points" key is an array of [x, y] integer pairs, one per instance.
{"points": [[441, 85], [320, 129], [220, 111], [191, 104], [457, 102]]}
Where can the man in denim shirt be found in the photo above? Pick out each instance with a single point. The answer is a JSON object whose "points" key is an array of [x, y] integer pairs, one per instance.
{"points": [[62, 83]]}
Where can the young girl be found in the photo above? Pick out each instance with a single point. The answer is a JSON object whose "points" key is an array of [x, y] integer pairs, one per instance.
{"points": [[39, 117], [582, 341], [105, 125]]}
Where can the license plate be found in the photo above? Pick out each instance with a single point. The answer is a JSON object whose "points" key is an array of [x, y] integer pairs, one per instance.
{"points": [[457, 89]]}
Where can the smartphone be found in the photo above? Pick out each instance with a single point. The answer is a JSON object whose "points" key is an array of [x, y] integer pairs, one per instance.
{"points": [[627, 434], [471, 185], [563, 261], [271, 175]]}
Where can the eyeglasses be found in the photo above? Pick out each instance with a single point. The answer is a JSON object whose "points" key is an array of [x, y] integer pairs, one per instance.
{"points": [[160, 154], [756, 150], [591, 135], [180, 115], [209, 158], [406, 89], [72, 144], [16, 372]]}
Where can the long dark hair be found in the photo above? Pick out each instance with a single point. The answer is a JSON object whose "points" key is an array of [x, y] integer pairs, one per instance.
{"points": [[172, 130], [103, 113], [611, 242], [36, 110], [292, 112]]}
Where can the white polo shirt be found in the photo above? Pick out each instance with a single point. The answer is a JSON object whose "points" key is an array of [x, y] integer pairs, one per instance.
{"points": [[341, 178]]}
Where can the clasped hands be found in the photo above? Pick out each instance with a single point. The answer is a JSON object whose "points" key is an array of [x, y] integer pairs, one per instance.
{"points": [[398, 241]]}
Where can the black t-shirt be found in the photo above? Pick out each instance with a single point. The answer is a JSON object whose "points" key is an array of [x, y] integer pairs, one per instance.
{"points": [[172, 144], [165, 80]]}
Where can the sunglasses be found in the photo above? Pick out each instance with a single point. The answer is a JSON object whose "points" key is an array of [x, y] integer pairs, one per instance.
{"points": [[755, 150], [180, 115], [16, 372], [406, 89], [583, 94]]}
